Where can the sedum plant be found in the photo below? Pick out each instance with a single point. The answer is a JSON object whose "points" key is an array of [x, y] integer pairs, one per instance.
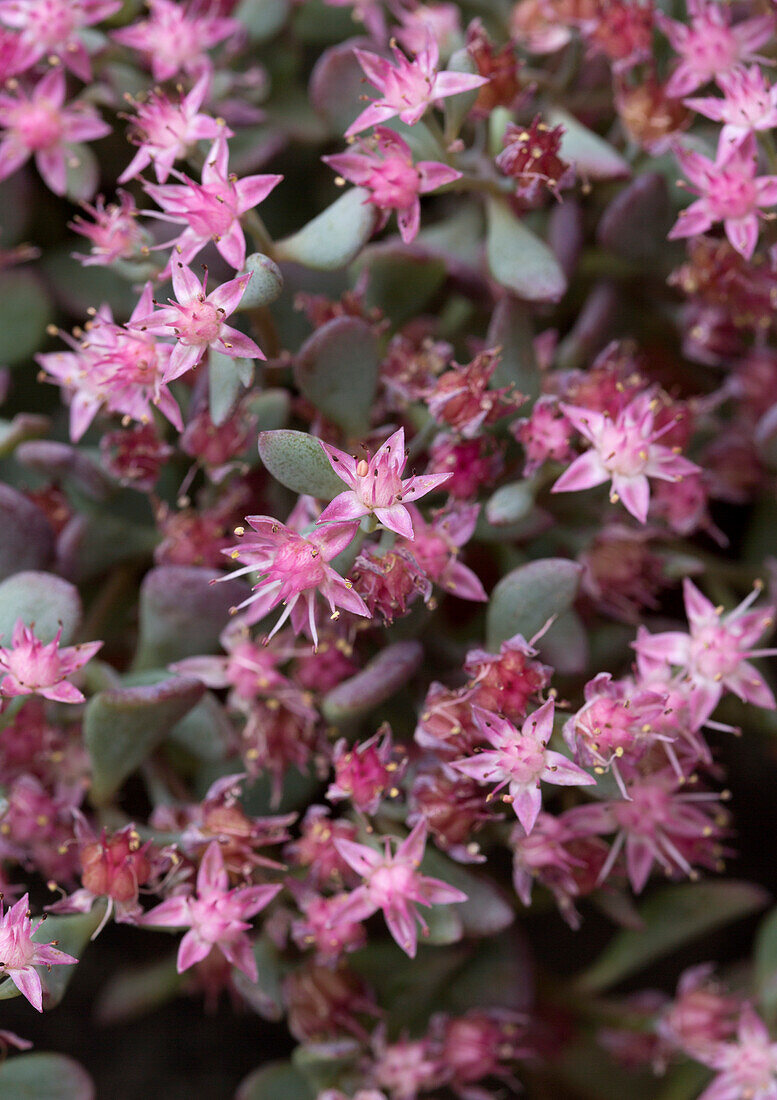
{"points": [[387, 577]]}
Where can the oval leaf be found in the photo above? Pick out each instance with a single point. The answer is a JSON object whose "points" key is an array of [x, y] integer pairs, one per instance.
{"points": [[766, 964], [61, 461], [26, 536], [266, 283], [182, 614], [224, 384], [122, 727], [299, 462], [376, 682], [511, 503], [518, 259], [671, 916], [71, 934], [53, 1076], [638, 219], [525, 599], [591, 155], [25, 311], [40, 600], [277, 1081], [337, 369], [511, 330], [335, 237]]}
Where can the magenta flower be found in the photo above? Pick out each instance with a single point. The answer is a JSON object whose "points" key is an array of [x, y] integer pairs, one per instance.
{"points": [[749, 103], [746, 1068], [624, 450], [211, 210], [114, 367], [729, 191], [51, 28], [20, 954], [385, 167], [165, 131], [216, 917], [407, 87], [713, 656], [198, 320], [40, 125], [293, 568], [520, 761], [710, 45], [176, 37], [436, 548], [376, 487], [32, 668], [395, 885]]}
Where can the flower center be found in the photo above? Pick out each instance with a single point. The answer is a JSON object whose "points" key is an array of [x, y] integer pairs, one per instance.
{"points": [[39, 125], [199, 324]]}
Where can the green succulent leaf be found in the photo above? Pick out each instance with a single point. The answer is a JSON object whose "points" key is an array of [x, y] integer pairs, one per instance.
{"points": [[518, 259], [527, 598], [337, 369], [298, 461], [53, 1076], [335, 237]]}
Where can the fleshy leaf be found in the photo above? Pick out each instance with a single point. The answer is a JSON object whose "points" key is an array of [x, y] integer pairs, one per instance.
{"points": [[376, 682], [26, 536], [565, 645], [92, 542], [270, 409], [130, 994], [335, 237], [263, 19], [61, 461], [500, 973], [511, 330], [486, 910], [182, 613], [225, 383], [23, 426], [337, 369], [593, 327], [337, 84], [592, 156], [765, 959], [53, 1076], [71, 933], [401, 282], [42, 600], [83, 173], [299, 462], [122, 727], [324, 1063], [457, 107], [511, 503], [637, 220], [25, 311], [671, 916], [265, 285], [276, 1081], [526, 598], [518, 259]]}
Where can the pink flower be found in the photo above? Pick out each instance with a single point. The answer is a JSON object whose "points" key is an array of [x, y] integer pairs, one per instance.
{"points": [[366, 772], [746, 1068], [544, 434], [211, 210], [114, 367], [436, 548], [624, 449], [520, 761], [20, 954], [176, 37], [32, 668], [729, 191], [293, 568], [51, 28], [714, 654], [165, 131], [216, 917], [395, 885], [749, 103], [376, 487], [710, 45], [385, 167], [40, 124], [115, 233], [407, 87], [197, 321]]}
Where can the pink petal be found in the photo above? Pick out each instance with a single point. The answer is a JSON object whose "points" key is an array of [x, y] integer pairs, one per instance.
{"points": [[362, 859], [370, 116], [461, 581], [634, 494], [397, 519], [228, 295], [585, 472], [433, 174], [172, 913], [192, 950], [343, 464], [186, 286], [693, 220], [412, 847], [355, 167], [640, 856], [450, 83], [333, 538], [539, 725], [12, 156], [391, 452], [254, 189], [377, 69], [241, 955], [409, 221], [402, 926], [743, 234], [51, 165], [212, 877], [698, 609], [64, 692], [527, 804], [235, 344], [232, 246], [28, 983], [345, 506], [184, 358], [563, 772]]}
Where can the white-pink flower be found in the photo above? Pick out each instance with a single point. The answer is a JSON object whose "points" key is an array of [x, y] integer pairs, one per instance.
{"points": [[198, 320], [394, 884], [385, 167], [31, 668], [729, 191], [749, 103], [176, 36], [51, 28], [407, 88], [521, 761], [376, 487], [625, 451], [20, 954], [40, 125], [216, 916], [747, 1069], [714, 654]]}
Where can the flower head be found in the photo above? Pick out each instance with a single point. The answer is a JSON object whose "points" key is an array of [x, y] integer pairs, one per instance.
{"points": [[20, 954], [710, 46], [394, 884], [625, 450], [51, 28], [198, 321], [520, 761], [376, 486], [40, 125], [216, 916], [746, 1068], [32, 668], [176, 37], [385, 167], [407, 87], [114, 231], [729, 191], [292, 569], [749, 103]]}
